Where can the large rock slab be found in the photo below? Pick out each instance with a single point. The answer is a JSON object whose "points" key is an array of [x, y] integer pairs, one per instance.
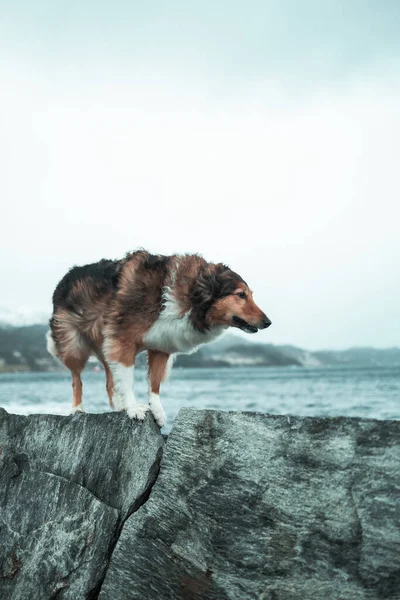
{"points": [[55, 536], [115, 458], [66, 486], [276, 508]]}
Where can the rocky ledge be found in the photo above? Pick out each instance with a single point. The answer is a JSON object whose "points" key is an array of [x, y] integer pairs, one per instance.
{"points": [[245, 506]]}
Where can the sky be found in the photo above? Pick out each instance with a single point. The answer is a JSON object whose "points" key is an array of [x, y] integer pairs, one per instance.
{"points": [[262, 134]]}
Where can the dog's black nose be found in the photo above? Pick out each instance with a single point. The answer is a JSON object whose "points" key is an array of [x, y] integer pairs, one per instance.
{"points": [[265, 323]]}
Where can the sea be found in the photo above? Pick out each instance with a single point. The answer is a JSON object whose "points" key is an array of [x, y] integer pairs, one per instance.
{"points": [[320, 392]]}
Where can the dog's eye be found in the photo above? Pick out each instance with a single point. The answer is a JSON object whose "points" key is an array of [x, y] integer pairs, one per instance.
{"points": [[241, 295]]}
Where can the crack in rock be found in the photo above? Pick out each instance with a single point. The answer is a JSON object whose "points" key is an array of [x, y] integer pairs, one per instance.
{"points": [[141, 501], [67, 485], [251, 506]]}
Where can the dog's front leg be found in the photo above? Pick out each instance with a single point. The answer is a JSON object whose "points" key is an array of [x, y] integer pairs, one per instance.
{"points": [[123, 385], [120, 355], [157, 372]]}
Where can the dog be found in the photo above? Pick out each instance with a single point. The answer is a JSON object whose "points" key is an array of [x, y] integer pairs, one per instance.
{"points": [[114, 309]]}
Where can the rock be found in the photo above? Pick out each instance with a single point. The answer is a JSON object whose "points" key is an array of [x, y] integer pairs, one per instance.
{"points": [[55, 537], [112, 456], [66, 486], [246, 506], [253, 506]]}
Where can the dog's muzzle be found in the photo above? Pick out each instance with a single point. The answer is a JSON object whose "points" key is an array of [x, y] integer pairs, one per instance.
{"points": [[264, 323], [248, 327]]}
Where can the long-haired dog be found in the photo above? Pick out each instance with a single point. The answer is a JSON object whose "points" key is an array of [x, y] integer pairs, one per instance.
{"points": [[114, 309]]}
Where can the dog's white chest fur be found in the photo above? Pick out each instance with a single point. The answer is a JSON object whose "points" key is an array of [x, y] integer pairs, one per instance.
{"points": [[175, 333]]}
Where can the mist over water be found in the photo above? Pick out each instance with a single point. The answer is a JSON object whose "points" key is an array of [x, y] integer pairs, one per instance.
{"points": [[355, 392]]}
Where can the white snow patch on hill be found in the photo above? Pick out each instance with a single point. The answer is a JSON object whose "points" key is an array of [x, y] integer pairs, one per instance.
{"points": [[24, 315]]}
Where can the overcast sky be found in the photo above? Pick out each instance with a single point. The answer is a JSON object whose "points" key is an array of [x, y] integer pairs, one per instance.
{"points": [[263, 134]]}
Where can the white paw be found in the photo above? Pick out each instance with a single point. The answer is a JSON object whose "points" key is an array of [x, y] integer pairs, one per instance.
{"points": [[138, 411], [77, 409], [159, 415]]}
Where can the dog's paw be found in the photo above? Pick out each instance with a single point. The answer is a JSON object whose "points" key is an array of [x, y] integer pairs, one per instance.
{"points": [[159, 415], [138, 411], [77, 410]]}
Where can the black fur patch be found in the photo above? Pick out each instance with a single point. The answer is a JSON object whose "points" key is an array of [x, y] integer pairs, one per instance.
{"points": [[103, 274]]}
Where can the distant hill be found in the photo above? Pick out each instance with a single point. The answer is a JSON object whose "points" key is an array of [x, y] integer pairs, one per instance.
{"points": [[232, 351], [362, 357], [24, 349]]}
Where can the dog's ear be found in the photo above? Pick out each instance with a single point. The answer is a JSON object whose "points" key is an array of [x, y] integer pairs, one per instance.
{"points": [[226, 281], [212, 282], [202, 296], [205, 287]]}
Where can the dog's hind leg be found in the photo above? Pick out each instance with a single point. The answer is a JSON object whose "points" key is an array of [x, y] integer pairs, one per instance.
{"points": [[110, 386], [113, 396], [157, 372], [76, 365], [72, 349]]}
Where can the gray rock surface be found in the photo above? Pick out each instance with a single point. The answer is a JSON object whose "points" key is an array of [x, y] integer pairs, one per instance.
{"points": [[250, 506], [66, 486]]}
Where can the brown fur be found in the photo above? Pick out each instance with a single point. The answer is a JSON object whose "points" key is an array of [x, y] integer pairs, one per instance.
{"points": [[157, 364], [222, 310], [106, 309]]}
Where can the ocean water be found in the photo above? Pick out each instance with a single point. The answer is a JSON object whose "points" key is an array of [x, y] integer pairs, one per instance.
{"points": [[358, 392]]}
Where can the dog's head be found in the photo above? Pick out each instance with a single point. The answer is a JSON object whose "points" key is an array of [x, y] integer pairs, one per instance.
{"points": [[221, 297]]}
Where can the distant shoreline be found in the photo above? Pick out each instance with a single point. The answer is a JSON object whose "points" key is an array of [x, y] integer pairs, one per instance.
{"points": [[23, 349], [27, 369]]}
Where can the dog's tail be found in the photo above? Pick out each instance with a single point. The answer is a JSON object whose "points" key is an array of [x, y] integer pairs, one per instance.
{"points": [[50, 344]]}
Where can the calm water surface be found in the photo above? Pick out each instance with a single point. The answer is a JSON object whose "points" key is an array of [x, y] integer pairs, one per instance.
{"points": [[372, 393]]}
